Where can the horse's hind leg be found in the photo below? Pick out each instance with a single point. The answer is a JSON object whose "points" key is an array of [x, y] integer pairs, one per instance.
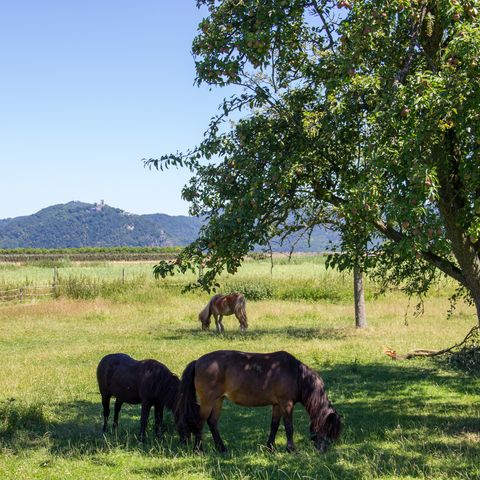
{"points": [[106, 411], [205, 411], [276, 416], [218, 322], [213, 424], [116, 412]]}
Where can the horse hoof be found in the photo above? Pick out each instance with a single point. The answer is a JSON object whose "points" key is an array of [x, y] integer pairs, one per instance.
{"points": [[291, 449]]}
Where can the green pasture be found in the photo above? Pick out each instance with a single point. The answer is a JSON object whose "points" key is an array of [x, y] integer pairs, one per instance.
{"points": [[402, 420]]}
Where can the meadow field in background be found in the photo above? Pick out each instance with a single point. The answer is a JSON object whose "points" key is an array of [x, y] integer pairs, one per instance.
{"points": [[402, 420]]}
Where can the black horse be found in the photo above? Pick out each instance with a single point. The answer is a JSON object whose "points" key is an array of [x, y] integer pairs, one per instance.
{"points": [[254, 379], [136, 381]]}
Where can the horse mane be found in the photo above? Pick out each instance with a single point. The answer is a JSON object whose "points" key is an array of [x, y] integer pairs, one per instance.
{"points": [[314, 398], [172, 386], [165, 384], [204, 315]]}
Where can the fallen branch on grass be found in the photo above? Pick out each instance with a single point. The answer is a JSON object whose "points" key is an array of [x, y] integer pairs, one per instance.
{"points": [[422, 352]]}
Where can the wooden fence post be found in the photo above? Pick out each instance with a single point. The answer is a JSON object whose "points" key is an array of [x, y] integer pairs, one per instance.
{"points": [[55, 280]]}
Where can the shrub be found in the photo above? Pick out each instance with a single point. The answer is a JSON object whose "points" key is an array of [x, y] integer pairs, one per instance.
{"points": [[252, 290]]}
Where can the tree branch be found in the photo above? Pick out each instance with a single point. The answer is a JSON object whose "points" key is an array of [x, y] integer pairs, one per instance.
{"points": [[388, 231], [422, 352], [402, 74], [319, 11]]}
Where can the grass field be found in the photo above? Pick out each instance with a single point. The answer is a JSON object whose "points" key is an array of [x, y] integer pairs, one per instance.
{"points": [[412, 419]]}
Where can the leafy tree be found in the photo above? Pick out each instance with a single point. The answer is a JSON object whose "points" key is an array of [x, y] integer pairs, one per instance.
{"points": [[362, 114]]}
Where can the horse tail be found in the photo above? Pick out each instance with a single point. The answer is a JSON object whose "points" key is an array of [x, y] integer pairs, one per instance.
{"points": [[241, 312], [188, 410], [103, 372]]}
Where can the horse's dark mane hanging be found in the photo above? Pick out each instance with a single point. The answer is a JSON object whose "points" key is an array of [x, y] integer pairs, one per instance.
{"points": [[171, 385], [315, 400], [312, 393]]}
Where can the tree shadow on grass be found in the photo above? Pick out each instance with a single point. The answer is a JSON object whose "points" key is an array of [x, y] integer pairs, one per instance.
{"points": [[75, 428], [288, 333], [399, 421]]}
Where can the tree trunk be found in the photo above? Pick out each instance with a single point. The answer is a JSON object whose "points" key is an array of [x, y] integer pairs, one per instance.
{"points": [[476, 300], [451, 202], [359, 297]]}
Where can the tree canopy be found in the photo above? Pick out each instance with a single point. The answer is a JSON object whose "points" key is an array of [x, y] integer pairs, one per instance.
{"points": [[362, 114]]}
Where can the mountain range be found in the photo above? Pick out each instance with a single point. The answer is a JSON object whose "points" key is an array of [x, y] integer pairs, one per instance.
{"points": [[79, 224]]}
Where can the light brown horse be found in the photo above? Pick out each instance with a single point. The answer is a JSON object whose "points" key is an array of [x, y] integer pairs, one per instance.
{"points": [[220, 305], [254, 379]]}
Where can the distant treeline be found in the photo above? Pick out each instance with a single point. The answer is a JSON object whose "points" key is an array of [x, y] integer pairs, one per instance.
{"points": [[87, 253]]}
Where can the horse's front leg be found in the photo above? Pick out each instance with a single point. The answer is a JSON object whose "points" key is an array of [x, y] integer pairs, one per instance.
{"points": [[144, 419], [220, 321], [288, 422], [158, 419], [276, 415], [213, 424]]}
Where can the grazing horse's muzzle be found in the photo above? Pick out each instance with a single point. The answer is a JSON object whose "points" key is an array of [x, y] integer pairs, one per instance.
{"points": [[321, 443], [205, 324]]}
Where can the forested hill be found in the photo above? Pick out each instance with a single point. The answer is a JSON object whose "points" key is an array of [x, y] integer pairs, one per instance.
{"points": [[79, 224]]}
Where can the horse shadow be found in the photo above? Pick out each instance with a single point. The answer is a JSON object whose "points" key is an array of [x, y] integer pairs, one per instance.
{"points": [[75, 428]]}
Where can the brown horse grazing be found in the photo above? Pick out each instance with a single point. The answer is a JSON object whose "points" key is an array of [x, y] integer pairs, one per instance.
{"points": [[130, 381], [220, 305], [254, 379]]}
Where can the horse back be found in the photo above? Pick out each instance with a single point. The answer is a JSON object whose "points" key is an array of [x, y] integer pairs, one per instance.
{"points": [[158, 383], [227, 304], [251, 379]]}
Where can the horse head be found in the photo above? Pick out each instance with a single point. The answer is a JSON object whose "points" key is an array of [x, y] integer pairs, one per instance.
{"points": [[204, 320], [324, 435]]}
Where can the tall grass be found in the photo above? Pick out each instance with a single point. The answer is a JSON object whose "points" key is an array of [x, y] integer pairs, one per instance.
{"points": [[302, 278]]}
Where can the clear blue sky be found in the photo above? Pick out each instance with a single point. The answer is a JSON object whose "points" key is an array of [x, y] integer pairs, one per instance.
{"points": [[90, 87]]}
